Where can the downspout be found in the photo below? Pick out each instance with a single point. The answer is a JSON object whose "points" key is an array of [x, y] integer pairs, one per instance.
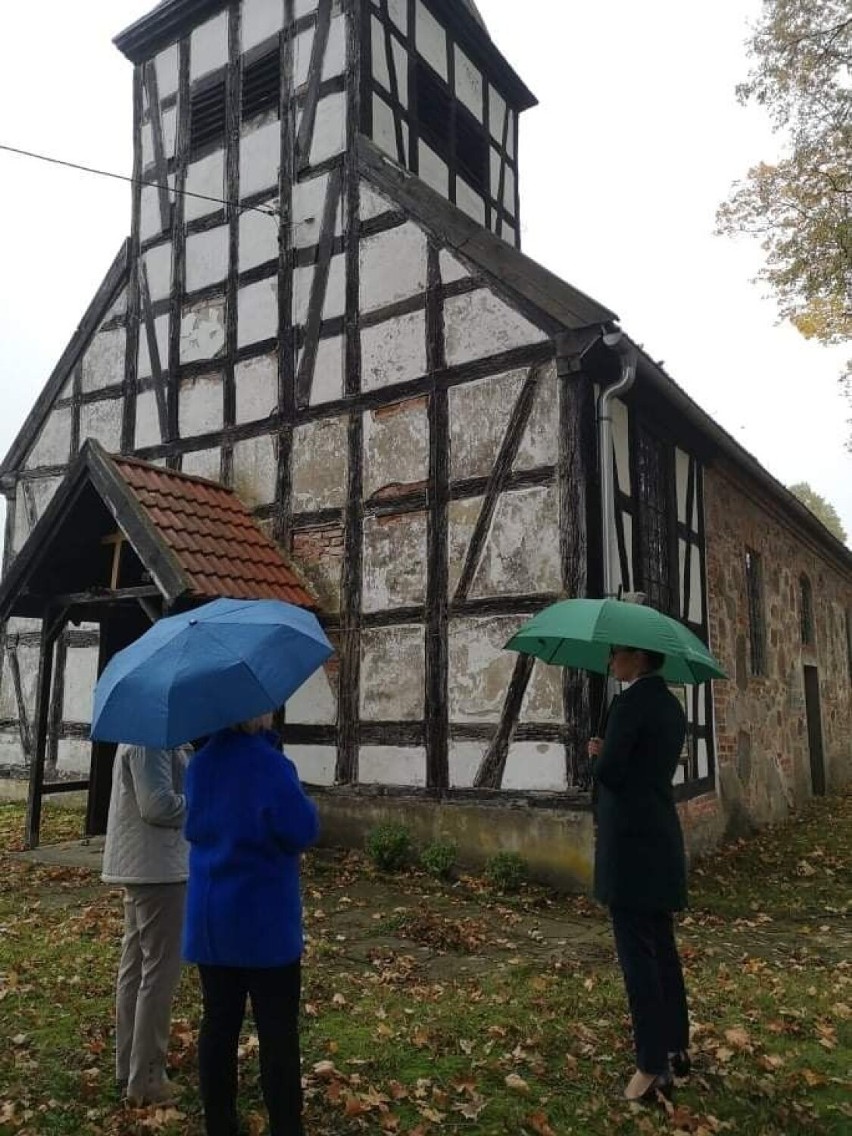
{"points": [[616, 341]]}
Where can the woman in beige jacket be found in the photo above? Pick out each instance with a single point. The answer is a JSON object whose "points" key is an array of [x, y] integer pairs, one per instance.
{"points": [[145, 851]]}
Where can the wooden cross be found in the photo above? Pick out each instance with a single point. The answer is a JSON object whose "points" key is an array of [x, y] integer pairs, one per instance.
{"points": [[117, 540]]}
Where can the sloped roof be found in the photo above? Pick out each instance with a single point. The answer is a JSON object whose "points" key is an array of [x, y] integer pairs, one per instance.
{"points": [[195, 539], [220, 547], [527, 283]]}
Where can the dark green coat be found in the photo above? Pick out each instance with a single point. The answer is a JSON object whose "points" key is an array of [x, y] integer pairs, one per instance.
{"points": [[639, 856]]}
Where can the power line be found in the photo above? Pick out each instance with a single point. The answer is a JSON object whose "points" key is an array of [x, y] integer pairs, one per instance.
{"points": [[270, 212]]}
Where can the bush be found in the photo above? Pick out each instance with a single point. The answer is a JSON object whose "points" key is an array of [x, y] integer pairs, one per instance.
{"points": [[389, 846], [439, 858], [506, 871]]}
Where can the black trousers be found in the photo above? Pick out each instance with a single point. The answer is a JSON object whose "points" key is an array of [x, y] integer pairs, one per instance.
{"points": [[653, 979], [274, 994]]}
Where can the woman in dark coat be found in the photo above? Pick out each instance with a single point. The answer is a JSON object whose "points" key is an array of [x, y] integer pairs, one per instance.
{"points": [[640, 866]]}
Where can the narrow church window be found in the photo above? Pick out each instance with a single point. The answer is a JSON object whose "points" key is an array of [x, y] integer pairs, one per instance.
{"points": [[262, 86], [806, 610], [656, 517], [756, 620], [207, 117]]}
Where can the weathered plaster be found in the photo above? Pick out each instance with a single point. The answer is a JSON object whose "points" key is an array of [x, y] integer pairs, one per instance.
{"points": [[319, 465], [393, 670], [394, 561]]}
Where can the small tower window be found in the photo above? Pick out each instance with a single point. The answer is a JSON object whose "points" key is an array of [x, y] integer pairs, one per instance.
{"points": [[450, 130], [207, 117], [262, 86], [806, 610]]}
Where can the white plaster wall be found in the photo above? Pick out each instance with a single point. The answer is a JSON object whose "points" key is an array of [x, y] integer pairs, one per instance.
{"points": [[166, 64], [396, 446], [202, 331], [480, 412], [464, 760], [469, 201], [392, 765], [28, 664], [201, 405], [393, 674], [451, 269], [621, 444], [462, 517], [469, 84], [496, 113], [256, 388], [258, 238], [260, 20], [207, 258], [394, 563], [431, 39], [372, 204], [433, 170], [536, 767], [316, 764], [334, 303], [521, 554], [102, 421], [393, 351], [158, 268], [161, 331], [103, 363], [540, 442], [74, 756], [480, 670], [329, 128], [480, 324], [314, 703], [203, 463], [209, 47], [81, 674], [328, 371], [307, 207], [260, 159], [53, 445], [206, 177], [150, 217], [384, 128], [257, 312], [147, 421], [319, 464], [256, 470], [393, 266]]}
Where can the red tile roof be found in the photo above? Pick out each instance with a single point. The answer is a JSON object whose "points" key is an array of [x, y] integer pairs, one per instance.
{"points": [[220, 546]]}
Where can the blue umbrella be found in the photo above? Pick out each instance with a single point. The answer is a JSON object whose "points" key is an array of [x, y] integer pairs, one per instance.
{"points": [[197, 672]]}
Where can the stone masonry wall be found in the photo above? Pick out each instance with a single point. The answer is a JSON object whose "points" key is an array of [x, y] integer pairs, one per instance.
{"points": [[762, 752]]}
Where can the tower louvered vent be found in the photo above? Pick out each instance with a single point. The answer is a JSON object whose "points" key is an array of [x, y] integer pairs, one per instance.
{"points": [[207, 117], [262, 85]]}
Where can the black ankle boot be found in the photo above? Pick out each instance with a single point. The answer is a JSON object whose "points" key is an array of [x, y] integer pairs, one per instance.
{"points": [[680, 1063]]}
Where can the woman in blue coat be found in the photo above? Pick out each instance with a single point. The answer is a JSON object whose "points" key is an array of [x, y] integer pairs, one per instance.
{"points": [[640, 866], [247, 823]]}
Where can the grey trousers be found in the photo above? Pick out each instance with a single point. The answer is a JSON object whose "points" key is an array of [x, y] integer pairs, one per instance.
{"points": [[147, 977]]}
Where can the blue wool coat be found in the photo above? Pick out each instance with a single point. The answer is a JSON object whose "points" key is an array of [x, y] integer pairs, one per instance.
{"points": [[247, 821]]}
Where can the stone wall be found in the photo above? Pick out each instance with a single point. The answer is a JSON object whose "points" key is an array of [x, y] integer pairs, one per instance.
{"points": [[763, 758]]}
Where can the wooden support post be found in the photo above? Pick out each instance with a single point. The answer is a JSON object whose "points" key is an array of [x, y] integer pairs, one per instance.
{"points": [[51, 628]]}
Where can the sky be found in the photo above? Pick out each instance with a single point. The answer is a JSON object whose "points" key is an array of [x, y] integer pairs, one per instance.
{"points": [[637, 139]]}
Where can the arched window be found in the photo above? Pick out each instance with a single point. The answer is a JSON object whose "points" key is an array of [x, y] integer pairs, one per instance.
{"points": [[806, 610]]}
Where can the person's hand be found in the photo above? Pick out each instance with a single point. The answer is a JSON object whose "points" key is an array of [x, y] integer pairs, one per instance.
{"points": [[594, 747]]}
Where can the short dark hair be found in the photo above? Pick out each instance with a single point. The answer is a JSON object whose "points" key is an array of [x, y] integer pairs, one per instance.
{"points": [[656, 660]]}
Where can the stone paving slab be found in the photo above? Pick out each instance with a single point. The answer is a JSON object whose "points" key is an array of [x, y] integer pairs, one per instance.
{"points": [[70, 854]]}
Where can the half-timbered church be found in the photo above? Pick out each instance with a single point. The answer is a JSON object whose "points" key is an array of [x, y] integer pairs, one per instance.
{"points": [[321, 368]]}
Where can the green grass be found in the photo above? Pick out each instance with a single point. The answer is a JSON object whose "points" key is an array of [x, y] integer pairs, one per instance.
{"points": [[443, 1008]]}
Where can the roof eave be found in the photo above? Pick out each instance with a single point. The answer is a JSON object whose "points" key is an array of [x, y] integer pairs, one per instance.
{"points": [[652, 373], [163, 26]]}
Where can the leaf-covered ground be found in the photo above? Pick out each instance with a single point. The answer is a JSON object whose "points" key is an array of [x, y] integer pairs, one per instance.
{"points": [[446, 1008]]}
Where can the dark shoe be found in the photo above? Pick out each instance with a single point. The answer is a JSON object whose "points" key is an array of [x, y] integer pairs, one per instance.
{"points": [[680, 1062], [661, 1086]]}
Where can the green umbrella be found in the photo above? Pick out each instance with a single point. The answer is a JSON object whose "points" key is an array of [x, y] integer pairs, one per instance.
{"points": [[580, 633]]}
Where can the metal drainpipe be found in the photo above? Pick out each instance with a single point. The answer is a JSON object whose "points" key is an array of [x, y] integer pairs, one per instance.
{"points": [[618, 342]]}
